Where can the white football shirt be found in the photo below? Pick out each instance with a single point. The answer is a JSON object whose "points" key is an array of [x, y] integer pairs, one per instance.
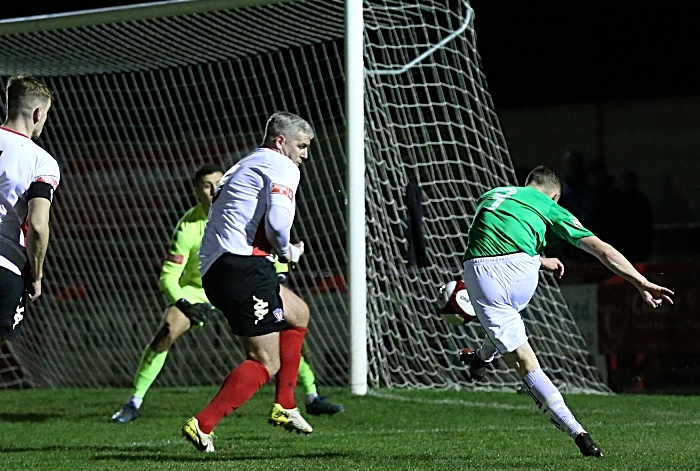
{"points": [[22, 162], [253, 208]]}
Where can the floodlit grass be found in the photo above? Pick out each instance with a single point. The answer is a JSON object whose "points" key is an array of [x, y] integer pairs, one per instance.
{"points": [[390, 430]]}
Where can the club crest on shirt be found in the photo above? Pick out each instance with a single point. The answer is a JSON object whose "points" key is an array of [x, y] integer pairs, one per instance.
{"points": [[278, 189], [576, 223], [279, 314], [53, 181]]}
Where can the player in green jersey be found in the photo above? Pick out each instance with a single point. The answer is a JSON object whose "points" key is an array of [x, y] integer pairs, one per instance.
{"points": [[512, 226], [181, 283]]}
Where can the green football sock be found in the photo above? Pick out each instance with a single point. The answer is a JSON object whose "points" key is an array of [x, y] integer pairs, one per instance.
{"points": [[151, 364], [306, 377]]}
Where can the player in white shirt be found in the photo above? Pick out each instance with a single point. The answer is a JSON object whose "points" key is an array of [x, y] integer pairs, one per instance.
{"points": [[249, 221], [28, 178]]}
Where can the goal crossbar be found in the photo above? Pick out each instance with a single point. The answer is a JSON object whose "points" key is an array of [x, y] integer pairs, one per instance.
{"points": [[143, 11]]}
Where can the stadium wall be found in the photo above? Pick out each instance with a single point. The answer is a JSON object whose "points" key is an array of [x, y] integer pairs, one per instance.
{"points": [[657, 138]]}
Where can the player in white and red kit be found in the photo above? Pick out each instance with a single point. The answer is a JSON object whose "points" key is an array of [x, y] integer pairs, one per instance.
{"points": [[28, 178], [249, 221]]}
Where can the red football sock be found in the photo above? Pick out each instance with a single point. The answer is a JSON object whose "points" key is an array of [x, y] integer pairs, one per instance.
{"points": [[290, 356], [238, 387]]}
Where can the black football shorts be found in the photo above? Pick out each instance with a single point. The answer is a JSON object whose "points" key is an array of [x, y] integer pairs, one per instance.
{"points": [[246, 290], [12, 304]]}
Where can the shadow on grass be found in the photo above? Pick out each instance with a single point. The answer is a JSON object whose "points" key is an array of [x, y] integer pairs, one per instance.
{"points": [[74, 448], [146, 453], [27, 417], [212, 457]]}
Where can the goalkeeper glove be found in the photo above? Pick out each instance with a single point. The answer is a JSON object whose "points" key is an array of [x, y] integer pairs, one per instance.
{"points": [[197, 313]]}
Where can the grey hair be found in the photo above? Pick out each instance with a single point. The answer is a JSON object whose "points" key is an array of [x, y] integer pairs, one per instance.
{"points": [[286, 124]]}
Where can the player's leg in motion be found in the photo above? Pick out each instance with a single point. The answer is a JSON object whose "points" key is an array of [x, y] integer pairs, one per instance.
{"points": [[315, 404], [479, 360], [285, 412], [249, 298], [501, 287], [174, 324], [244, 381], [548, 398]]}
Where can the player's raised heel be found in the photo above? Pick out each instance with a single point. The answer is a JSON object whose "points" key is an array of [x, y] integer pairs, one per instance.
{"points": [[290, 419], [587, 446], [201, 441], [477, 366], [128, 413]]}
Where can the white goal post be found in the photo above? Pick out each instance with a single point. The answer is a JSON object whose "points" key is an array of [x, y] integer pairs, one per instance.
{"points": [[407, 140]]}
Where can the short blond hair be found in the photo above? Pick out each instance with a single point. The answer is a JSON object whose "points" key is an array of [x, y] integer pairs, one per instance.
{"points": [[24, 93]]}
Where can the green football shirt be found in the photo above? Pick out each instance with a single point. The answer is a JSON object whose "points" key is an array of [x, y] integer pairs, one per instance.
{"points": [[180, 276], [519, 219]]}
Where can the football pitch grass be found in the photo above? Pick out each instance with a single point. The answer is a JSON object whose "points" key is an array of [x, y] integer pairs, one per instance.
{"points": [[386, 430]]}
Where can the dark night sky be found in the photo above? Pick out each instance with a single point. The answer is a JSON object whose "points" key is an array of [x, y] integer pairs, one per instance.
{"points": [[558, 51], [568, 51]]}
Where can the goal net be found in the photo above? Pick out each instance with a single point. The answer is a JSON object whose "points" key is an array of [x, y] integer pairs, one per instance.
{"points": [[145, 95]]}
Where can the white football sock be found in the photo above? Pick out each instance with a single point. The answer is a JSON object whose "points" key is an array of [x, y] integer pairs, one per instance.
{"points": [[550, 401], [136, 401], [310, 398]]}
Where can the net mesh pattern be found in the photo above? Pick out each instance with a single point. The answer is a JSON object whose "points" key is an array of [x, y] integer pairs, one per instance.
{"points": [[131, 124]]}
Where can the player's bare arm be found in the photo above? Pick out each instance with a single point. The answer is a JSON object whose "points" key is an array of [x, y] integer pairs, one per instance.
{"points": [[37, 241], [653, 294], [553, 265]]}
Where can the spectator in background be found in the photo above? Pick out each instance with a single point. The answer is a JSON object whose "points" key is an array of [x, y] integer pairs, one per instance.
{"points": [[636, 218], [605, 209], [576, 198], [672, 207], [576, 194]]}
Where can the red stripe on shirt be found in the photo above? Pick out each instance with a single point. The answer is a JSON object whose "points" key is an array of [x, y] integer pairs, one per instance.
{"points": [[261, 246]]}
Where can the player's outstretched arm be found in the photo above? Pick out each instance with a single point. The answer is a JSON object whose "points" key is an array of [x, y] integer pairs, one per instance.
{"points": [[653, 294]]}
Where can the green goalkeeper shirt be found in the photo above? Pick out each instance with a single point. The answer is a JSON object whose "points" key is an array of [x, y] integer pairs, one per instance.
{"points": [[180, 276], [519, 219]]}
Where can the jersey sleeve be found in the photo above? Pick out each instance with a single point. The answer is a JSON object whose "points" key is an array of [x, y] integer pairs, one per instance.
{"points": [[566, 227], [47, 171], [180, 246], [281, 208]]}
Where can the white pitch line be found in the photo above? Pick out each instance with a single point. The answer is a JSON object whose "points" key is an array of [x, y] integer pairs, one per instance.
{"points": [[498, 405], [454, 402]]}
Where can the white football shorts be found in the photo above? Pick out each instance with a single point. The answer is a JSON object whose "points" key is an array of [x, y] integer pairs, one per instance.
{"points": [[499, 288]]}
